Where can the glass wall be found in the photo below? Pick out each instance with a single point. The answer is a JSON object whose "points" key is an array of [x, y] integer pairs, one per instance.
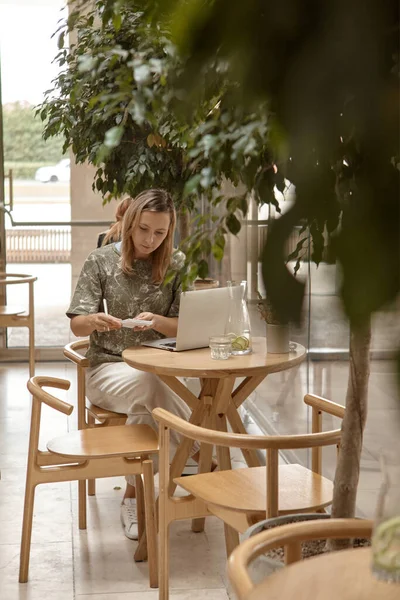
{"points": [[277, 407], [36, 171]]}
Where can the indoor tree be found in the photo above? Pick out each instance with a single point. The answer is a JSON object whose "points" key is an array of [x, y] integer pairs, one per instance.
{"points": [[119, 105], [328, 73], [321, 79]]}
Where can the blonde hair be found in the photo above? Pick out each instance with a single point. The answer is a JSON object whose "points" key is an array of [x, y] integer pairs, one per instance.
{"points": [[155, 201], [115, 231]]}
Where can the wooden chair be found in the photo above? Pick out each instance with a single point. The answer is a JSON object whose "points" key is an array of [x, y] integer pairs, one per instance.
{"points": [[290, 537], [87, 454], [17, 316], [89, 415], [242, 497]]}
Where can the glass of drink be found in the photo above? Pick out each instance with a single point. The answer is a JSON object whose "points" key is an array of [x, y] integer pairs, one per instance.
{"points": [[220, 346]]}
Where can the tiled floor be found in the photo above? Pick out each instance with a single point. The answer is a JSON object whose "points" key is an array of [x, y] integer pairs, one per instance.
{"points": [[97, 564]]}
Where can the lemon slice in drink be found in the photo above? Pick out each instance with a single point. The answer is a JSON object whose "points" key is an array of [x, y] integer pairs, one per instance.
{"points": [[386, 545], [240, 343]]}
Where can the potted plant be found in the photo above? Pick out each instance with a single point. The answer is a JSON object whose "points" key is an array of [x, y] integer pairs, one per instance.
{"points": [[277, 330]]}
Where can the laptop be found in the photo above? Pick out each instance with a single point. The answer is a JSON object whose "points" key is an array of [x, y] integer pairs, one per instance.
{"points": [[202, 313]]}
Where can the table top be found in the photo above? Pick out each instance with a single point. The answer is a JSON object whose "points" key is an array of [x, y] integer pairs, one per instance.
{"points": [[344, 575], [198, 363]]}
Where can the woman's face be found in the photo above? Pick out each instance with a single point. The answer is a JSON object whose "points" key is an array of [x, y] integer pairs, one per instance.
{"points": [[150, 232]]}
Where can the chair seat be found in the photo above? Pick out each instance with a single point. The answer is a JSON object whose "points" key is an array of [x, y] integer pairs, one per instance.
{"points": [[98, 442], [101, 414], [11, 311], [244, 490]]}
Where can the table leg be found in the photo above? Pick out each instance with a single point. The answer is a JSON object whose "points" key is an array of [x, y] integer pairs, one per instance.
{"points": [[241, 393], [183, 451], [244, 390], [237, 426]]}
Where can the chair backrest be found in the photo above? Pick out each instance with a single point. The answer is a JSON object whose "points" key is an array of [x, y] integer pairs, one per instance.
{"points": [[15, 279], [75, 352], [290, 537], [272, 444], [39, 395]]}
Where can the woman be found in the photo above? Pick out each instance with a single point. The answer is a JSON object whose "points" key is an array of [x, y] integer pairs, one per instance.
{"points": [[129, 275], [114, 233]]}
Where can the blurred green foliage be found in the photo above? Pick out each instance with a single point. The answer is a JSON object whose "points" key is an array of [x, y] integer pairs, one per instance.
{"points": [[329, 75], [25, 150]]}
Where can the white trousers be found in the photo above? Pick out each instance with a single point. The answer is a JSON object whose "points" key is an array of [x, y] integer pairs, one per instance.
{"points": [[120, 388]]}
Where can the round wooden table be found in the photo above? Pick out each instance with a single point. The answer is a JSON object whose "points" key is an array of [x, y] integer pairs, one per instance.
{"points": [[344, 575], [218, 401]]}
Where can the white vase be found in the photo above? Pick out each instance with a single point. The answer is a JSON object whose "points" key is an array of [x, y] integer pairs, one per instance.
{"points": [[277, 339]]}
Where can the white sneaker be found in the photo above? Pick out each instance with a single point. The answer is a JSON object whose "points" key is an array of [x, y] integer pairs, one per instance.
{"points": [[129, 518]]}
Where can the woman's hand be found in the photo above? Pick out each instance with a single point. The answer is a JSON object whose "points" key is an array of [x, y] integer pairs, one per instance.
{"points": [[145, 316], [102, 322], [83, 325], [168, 326]]}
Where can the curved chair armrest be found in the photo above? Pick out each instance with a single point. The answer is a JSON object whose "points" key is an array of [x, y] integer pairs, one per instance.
{"points": [[245, 440], [337, 410], [70, 352], [16, 278], [35, 385]]}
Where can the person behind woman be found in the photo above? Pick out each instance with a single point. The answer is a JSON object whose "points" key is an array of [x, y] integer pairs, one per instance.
{"points": [[129, 275], [114, 233]]}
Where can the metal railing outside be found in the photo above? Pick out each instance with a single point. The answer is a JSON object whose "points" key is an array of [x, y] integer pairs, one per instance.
{"points": [[47, 245]]}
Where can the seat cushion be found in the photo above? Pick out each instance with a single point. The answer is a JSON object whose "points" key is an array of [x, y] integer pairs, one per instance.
{"points": [[244, 490], [121, 440]]}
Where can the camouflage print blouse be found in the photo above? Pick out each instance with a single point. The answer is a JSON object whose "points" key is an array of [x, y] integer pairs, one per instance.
{"points": [[126, 295]]}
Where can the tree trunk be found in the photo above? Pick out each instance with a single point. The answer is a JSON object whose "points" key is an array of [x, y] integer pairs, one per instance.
{"points": [[348, 466]]}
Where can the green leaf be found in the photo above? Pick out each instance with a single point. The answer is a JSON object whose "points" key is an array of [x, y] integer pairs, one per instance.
{"points": [[218, 252], [233, 224], [298, 248], [191, 185], [203, 269], [60, 42], [86, 63], [280, 181], [193, 271], [113, 136], [243, 205], [169, 277], [117, 20]]}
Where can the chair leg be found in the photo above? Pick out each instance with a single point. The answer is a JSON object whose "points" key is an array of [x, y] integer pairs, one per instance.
{"points": [[91, 488], [151, 525], [31, 352], [140, 504], [141, 550], [26, 532], [82, 503], [163, 555]]}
